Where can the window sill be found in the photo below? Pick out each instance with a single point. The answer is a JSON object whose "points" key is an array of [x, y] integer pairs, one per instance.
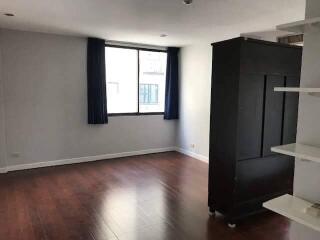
{"points": [[134, 114]]}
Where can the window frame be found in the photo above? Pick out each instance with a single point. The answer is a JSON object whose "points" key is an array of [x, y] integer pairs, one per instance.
{"points": [[138, 113]]}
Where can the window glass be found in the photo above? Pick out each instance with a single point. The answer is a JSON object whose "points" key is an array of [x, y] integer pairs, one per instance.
{"points": [[122, 80], [152, 81]]}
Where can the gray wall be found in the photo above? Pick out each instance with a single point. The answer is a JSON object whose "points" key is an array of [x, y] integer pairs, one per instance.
{"points": [[2, 127], [307, 174], [195, 88], [44, 80]]}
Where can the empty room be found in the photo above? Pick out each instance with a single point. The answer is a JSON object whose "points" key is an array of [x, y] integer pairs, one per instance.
{"points": [[159, 120]]}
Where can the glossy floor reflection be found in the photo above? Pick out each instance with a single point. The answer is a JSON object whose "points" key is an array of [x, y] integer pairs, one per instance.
{"points": [[158, 196]]}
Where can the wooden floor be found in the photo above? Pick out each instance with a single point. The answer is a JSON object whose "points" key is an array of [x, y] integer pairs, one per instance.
{"points": [[158, 196]]}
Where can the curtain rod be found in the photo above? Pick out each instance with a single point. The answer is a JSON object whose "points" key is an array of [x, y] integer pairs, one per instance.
{"points": [[136, 45]]}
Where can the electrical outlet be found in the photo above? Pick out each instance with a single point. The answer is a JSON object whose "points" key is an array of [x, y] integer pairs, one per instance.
{"points": [[15, 154]]}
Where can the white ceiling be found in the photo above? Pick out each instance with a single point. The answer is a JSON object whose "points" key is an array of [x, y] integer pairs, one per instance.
{"points": [[143, 21]]}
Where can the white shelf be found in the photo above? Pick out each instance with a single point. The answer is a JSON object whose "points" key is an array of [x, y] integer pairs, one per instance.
{"points": [[300, 151], [294, 208], [300, 90], [304, 26]]}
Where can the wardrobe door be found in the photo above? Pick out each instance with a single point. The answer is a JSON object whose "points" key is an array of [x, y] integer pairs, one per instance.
{"points": [[291, 102], [273, 114], [261, 177], [250, 116]]}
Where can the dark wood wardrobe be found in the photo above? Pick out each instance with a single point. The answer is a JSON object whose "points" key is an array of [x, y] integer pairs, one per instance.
{"points": [[247, 118]]}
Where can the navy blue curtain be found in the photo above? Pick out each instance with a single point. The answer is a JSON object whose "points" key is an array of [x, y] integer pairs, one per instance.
{"points": [[96, 78], [171, 109]]}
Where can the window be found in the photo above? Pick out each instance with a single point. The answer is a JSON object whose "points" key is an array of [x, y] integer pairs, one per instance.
{"points": [[122, 80], [135, 80], [152, 81], [148, 94]]}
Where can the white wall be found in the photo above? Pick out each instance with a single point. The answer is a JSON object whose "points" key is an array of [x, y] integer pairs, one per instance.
{"points": [[307, 178], [195, 88], [307, 174], [44, 80]]}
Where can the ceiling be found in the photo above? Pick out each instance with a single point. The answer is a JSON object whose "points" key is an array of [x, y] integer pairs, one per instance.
{"points": [[143, 21]]}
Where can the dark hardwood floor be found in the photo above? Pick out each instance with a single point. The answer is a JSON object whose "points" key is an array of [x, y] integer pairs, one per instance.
{"points": [[157, 196]]}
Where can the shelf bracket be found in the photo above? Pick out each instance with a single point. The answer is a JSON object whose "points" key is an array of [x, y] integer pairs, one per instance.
{"points": [[303, 160], [314, 94]]}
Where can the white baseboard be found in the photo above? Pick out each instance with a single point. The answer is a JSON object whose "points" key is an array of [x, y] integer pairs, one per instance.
{"points": [[193, 154], [84, 159], [101, 157]]}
